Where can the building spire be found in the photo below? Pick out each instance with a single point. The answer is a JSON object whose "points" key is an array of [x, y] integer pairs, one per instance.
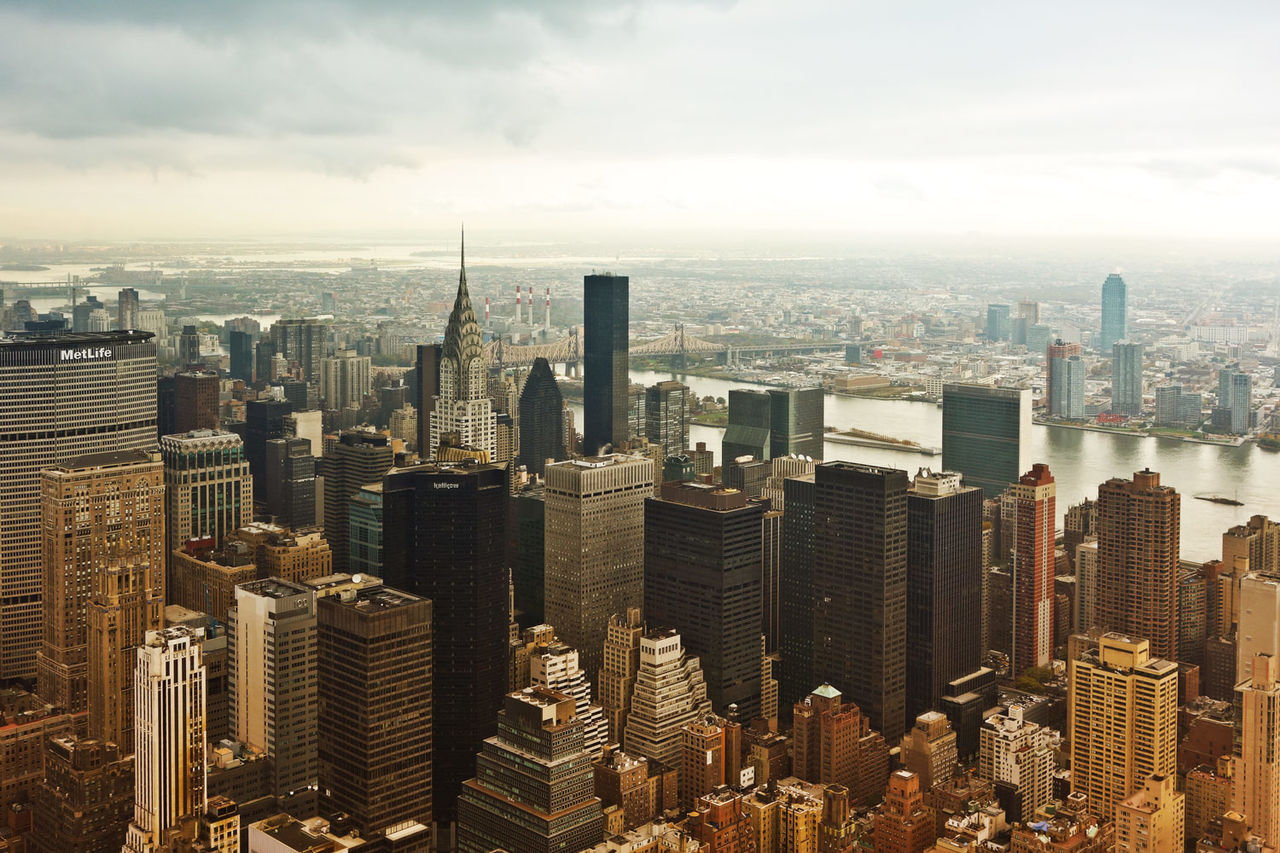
{"points": [[462, 267]]}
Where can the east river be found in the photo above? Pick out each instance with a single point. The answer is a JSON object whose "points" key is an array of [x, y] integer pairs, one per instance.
{"points": [[1079, 459]]}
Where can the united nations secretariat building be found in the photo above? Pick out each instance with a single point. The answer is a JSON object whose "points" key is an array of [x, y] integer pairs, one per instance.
{"points": [[62, 395]]}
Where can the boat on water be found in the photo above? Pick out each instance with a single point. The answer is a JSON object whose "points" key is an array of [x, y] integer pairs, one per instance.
{"points": [[1219, 499]]}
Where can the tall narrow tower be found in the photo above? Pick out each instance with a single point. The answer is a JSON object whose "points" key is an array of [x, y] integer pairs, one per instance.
{"points": [[1033, 566], [1257, 773], [605, 362], [1115, 312], [463, 412]]}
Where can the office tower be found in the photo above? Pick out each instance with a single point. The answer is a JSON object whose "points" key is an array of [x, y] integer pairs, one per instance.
{"points": [[618, 674], [594, 546], [999, 326], [1018, 756], [986, 434], [555, 667], [796, 422], [357, 459], [1122, 708], [1154, 817], [1038, 337], [746, 474], [365, 531], [750, 419], [795, 591], [903, 824], [929, 750], [208, 487], [1115, 316], [169, 726], [462, 415], [426, 387], [240, 345], [102, 516], [1256, 785], [944, 585], [1235, 398], [127, 309], [66, 396], [263, 421], [1033, 569], [1138, 529], [301, 342], [1066, 395], [860, 588], [533, 790], [291, 483], [271, 662], [80, 312], [771, 577], [669, 693], [667, 406], [835, 742], [374, 713], [195, 397], [445, 540], [702, 572], [605, 382], [166, 406], [344, 379], [84, 801], [1126, 377], [541, 421], [188, 346]]}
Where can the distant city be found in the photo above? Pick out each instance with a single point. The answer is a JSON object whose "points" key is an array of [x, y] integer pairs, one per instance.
{"points": [[544, 549]]}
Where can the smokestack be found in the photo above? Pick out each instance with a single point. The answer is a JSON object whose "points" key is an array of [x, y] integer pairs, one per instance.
{"points": [[486, 310], [517, 303], [546, 322], [531, 307]]}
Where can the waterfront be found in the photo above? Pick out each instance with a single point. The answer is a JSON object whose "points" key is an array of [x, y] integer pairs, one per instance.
{"points": [[1079, 459]]}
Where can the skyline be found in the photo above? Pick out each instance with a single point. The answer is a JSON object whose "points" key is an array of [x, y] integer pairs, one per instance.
{"points": [[587, 119]]}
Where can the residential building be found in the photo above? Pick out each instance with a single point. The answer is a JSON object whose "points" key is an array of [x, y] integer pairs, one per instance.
{"points": [[929, 750], [1153, 818], [1126, 377], [903, 824], [1033, 569], [1115, 314], [1018, 756]]}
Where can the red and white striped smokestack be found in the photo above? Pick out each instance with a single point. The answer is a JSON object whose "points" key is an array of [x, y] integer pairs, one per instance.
{"points": [[531, 307], [517, 303], [546, 321], [486, 310]]}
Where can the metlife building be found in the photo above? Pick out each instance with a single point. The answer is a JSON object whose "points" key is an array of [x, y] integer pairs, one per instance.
{"points": [[62, 396]]}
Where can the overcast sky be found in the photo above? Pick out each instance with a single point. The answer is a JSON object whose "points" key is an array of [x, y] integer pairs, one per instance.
{"points": [[161, 118]]}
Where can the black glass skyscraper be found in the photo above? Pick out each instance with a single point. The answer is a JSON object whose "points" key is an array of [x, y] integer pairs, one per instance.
{"points": [[426, 387], [795, 589], [1115, 312], [241, 346], [606, 303], [445, 538], [986, 434], [750, 419], [263, 421], [541, 419], [796, 422], [290, 487]]}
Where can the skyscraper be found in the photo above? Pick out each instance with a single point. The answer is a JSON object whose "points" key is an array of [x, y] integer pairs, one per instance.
{"points": [[1033, 568], [374, 712], [774, 423], [618, 674], [169, 722], [1018, 754], [999, 324], [702, 571], [593, 545], [358, 458], [796, 592], [263, 421], [426, 387], [271, 664], [344, 379], [463, 413], [669, 693], [102, 514], [195, 398], [68, 395], [1235, 395], [1126, 377], [291, 482], [860, 588], [986, 434], [606, 354], [1137, 588], [555, 667], [666, 409], [208, 487], [1122, 709], [301, 342], [834, 742], [1058, 386], [127, 309], [944, 586], [84, 802], [1153, 817], [240, 345], [1256, 787], [541, 419], [445, 540], [750, 424], [1115, 312]]}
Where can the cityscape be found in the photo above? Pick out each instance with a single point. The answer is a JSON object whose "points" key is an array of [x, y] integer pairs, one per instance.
{"points": [[639, 427]]}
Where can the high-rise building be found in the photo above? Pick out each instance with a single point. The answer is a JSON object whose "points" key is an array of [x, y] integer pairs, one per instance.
{"points": [[797, 422], [1138, 530], [1154, 817], [1122, 709], [860, 588], [666, 409], [84, 801], [426, 387], [102, 515], [291, 483], [750, 422], [271, 664], [669, 693], [618, 674], [1235, 397], [208, 487], [1018, 756], [1033, 569], [169, 727], [196, 400], [463, 413], [834, 742], [795, 591], [374, 711], [702, 572], [1256, 542], [127, 309], [704, 757], [944, 585], [555, 667], [67, 395], [903, 824], [594, 546], [1065, 389], [240, 345], [1115, 312], [929, 750], [364, 525], [986, 434], [358, 458], [263, 421], [301, 342], [1126, 377], [344, 379], [445, 540], [606, 356], [541, 421], [999, 324], [1256, 777], [533, 790]]}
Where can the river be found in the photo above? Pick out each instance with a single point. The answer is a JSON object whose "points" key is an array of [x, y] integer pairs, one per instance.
{"points": [[1079, 459]]}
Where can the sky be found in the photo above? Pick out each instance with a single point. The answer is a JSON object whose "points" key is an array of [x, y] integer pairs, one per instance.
{"points": [[166, 119]]}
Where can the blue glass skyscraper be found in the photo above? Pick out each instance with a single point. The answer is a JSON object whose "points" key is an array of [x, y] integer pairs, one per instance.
{"points": [[1115, 312]]}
